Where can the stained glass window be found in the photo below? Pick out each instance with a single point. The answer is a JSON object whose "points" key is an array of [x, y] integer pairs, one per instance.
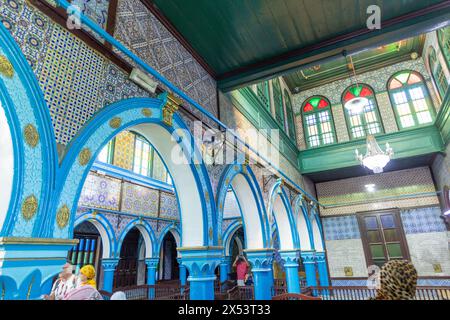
{"points": [[262, 90], [289, 115], [147, 161], [411, 100], [437, 73], [444, 43], [278, 102], [366, 122], [318, 122], [107, 153]]}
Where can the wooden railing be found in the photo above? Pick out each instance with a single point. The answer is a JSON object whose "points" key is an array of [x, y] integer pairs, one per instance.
{"points": [[154, 292], [364, 293], [241, 293]]}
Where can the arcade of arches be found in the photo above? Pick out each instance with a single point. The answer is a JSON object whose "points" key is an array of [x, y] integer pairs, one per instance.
{"points": [[101, 161]]}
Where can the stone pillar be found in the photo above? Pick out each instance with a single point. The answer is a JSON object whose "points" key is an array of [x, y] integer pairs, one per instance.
{"points": [[290, 259], [109, 267], [225, 266], [201, 263], [261, 263], [310, 268], [322, 268], [152, 266]]}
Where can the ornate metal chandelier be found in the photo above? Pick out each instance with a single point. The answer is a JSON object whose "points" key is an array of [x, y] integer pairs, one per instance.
{"points": [[375, 159]]}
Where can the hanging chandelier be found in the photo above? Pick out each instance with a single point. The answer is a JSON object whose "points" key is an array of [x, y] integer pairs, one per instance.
{"points": [[375, 159], [355, 105]]}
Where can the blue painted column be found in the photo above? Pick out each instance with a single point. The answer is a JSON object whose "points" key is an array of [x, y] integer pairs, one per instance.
{"points": [[152, 265], [261, 263], [183, 272], [310, 268], [201, 263], [109, 266], [322, 268], [225, 265], [290, 259]]}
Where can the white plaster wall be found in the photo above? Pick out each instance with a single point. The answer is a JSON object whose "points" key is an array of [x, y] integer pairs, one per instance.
{"points": [[6, 166], [427, 249], [346, 253]]}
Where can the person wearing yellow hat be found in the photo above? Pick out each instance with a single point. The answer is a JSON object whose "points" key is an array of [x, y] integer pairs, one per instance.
{"points": [[87, 288]]}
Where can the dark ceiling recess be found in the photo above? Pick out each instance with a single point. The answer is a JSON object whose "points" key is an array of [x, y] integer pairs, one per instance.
{"points": [[241, 42], [357, 171]]}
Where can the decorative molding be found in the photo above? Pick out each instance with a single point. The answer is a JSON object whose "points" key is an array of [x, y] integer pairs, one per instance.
{"points": [[31, 135], [115, 122], [6, 67], [84, 156], [29, 207], [62, 217], [37, 241], [146, 112], [170, 108]]}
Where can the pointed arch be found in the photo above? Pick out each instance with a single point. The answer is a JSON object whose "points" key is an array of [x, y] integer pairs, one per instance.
{"points": [[173, 143], [280, 209], [30, 288], [248, 194], [317, 231], [229, 234], [303, 223], [104, 228], [146, 231], [176, 233]]}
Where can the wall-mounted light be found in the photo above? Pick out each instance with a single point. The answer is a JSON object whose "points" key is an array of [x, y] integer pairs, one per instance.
{"points": [[370, 187], [143, 80]]}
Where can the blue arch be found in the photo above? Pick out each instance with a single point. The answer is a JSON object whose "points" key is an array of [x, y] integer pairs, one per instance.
{"points": [[35, 168], [278, 190], [301, 207], [148, 230], [97, 132], [31, 286], [8, 288], [169, 228], [228, 174], [104, 222], [228, 235], [316, 217]]}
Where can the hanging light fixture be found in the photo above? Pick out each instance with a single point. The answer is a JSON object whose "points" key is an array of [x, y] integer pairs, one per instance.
{"points": [[375, 159], [355, 105]]}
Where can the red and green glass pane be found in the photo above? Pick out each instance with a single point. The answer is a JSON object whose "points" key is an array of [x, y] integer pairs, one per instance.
{"points": [[314, 104], [357, 91], [404, 78]]}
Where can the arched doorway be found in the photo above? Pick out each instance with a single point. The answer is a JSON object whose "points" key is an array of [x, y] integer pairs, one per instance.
{"points": [[129, 269], [168, 267], [89, 249], [236, 248]]}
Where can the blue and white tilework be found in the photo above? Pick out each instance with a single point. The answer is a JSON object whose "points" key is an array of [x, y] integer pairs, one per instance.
{"points": [[340, 228], [422, 220], [168, 204]]}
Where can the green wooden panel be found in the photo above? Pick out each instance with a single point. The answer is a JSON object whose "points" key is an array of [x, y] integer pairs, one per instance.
{"points": [[443, 118], [407, 143]]}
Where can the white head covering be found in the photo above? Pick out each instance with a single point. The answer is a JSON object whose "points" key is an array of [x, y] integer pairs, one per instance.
{"points": [[119, 295]]}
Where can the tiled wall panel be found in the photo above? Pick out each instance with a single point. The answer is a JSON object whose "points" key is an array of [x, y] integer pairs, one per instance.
{"points": [[169, 206], [100, 192], [140, 200]]}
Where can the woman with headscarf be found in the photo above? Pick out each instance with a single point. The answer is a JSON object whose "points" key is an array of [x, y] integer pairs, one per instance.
{"points": [[398, 280], [87, 287]]}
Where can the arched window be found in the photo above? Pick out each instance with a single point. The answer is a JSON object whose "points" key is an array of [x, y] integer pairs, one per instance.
{"points": [[262, 90], [278, 102], [146, 161], [318, 122], [366, 122], [107, 153], [289, 115], [444, 43], [410, 98], [437, 73]]}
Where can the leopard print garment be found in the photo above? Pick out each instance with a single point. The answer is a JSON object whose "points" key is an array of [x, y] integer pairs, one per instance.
{"points": [[398, 280]]}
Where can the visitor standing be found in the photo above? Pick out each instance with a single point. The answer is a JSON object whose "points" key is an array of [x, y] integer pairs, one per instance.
{"points": [[242, 266], [65, 283]]}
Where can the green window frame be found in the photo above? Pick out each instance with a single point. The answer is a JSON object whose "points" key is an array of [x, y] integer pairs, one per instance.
{"points": [[262, 91], [443, 36], [369, 120], [278, 102], [318, 124], [289, 116], [106, 155], [143, 156], [437, 73], [410, 100]]}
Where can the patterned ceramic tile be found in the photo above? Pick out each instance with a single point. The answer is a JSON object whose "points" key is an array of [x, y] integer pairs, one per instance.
{"points": [[124, 150], [140, 200], [100, 192], [231, 208], [168, 206], [421, 220], [340, 228]]}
